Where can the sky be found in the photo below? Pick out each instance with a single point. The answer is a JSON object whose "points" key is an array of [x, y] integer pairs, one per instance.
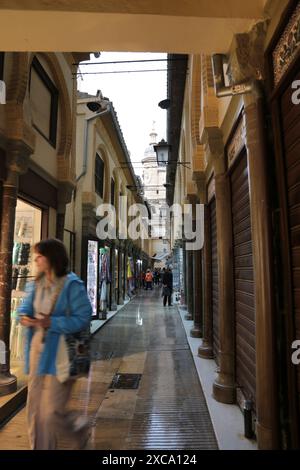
{"points": [[135, 96]]}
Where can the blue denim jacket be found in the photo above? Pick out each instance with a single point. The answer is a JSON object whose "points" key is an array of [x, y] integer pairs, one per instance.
{"points": [[72, 313]]}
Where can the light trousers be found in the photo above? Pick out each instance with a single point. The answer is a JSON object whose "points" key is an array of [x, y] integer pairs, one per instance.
{"points": [[47, 398]]}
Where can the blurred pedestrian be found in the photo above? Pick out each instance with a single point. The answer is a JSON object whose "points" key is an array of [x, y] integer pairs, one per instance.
{"points": [[149, 279], [57, 304], [167, 282]]}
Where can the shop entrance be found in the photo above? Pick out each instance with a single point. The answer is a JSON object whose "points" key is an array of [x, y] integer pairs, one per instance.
{"points": [[288, 177], [244, 302], [214, 278], [28, 232]]}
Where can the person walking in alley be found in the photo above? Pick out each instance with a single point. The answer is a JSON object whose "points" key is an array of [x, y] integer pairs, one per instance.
{"points": [[167, 282], [57, 304], [149, 279]]}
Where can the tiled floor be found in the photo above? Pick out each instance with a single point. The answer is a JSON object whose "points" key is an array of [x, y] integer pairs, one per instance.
{"points": [[167, 411]]}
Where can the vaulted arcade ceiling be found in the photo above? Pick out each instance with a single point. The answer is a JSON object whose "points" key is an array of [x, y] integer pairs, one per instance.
{"points": [[182, 26]]}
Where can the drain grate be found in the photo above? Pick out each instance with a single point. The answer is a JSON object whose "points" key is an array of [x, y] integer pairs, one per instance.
{"points": [[126, 381]]}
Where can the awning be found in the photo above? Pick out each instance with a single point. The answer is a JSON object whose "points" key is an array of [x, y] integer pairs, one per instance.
{"points": [[161, 256]]}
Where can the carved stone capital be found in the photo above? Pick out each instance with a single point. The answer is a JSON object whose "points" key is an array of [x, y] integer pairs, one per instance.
{"points": [[17, 129], [17, 156], [200, 179], [64, 194], [214, 148], [246, 59], [198, 159]]}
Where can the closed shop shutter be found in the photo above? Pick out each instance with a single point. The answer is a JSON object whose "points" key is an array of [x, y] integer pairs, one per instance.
{"points": [[243, 281], [214, 278], [290, 116]]}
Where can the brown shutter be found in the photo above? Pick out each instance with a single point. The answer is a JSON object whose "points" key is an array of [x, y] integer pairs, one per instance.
{"points": [[214, 277], [290, 115], [243, 281]]}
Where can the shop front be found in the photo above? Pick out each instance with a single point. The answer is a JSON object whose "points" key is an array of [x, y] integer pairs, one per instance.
{"points": [[283, 58], [243, 267], [175, 263], [35, 212], [28, 232], [214, 275], [130, 276], [98, 278]]}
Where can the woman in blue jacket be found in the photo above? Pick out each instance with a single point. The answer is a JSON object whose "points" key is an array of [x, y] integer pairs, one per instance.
{"points": [[56, 304]]}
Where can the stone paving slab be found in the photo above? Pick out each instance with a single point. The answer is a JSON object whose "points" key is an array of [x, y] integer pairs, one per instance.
{"points": [[167, 411]]}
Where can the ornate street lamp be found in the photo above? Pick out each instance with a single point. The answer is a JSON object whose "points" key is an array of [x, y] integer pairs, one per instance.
{"points": [[162, 151]]}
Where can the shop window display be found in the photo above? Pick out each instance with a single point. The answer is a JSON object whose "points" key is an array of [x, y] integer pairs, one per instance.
{"points": [[92, 274], [27, 232], [116, 273], [104, 277], [130, 277]]}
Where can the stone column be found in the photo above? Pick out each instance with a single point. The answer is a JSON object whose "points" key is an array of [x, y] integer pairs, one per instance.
{"points": [[206, 349], [266, 403], [190, 297], [224, 386], [196, 331], [16, 162]]}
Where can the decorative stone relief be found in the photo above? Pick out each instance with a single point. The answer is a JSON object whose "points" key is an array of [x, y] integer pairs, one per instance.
{"points": [[237, 142], [287, 47], [246, 59]]}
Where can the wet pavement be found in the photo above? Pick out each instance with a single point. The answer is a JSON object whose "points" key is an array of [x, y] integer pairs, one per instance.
{"points": [[167, 410]]}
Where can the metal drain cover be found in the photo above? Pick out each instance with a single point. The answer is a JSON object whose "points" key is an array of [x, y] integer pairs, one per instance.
{"points": [[126, 381]]}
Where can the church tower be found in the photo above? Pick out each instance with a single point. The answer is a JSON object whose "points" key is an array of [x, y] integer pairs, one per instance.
{"points": [[154, 178]]}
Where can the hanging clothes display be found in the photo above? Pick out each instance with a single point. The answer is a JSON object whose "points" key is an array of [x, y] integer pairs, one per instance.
{"points": [[104, 277], [92, 274], [130, 277]]}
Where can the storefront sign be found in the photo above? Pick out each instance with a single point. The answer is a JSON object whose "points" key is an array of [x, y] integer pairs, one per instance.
{"points": [[287, 47], [237, 142]]}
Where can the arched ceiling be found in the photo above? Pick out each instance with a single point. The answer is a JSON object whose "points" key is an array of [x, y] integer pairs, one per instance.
{"points": [[178, 26]]}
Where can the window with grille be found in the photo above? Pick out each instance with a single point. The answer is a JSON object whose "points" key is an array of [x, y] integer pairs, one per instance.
{"points": [[99, 176]]}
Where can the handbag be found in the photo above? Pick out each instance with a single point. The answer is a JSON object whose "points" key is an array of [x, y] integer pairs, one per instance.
{"points": [[78, 346], [166, 291], [73, 357]]}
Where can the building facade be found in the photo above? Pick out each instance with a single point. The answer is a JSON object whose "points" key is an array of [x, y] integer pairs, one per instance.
{"points": [[37, 128], [239, 134], [111, 266], [154, 180]]}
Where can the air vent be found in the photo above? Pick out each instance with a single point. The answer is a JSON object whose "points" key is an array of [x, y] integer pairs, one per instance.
{"points": [[126, 381]]}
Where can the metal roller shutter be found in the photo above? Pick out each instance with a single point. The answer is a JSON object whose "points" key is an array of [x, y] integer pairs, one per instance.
{"points": [[243, 281], [290, 116]]}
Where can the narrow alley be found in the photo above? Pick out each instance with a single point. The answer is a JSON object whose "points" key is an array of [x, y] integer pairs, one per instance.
{"points": [[166, 411], [150, 156]]}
